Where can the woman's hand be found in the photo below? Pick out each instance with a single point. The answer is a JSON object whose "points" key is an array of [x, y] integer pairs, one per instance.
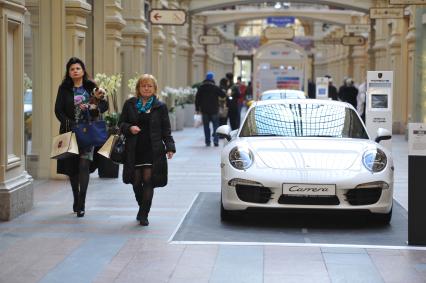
{"points": [[135, 129], [83, 106], [170, 154]]}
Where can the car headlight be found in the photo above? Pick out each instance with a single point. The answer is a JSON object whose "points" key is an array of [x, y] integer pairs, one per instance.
{"points": [[241, 158], [375, 160]]}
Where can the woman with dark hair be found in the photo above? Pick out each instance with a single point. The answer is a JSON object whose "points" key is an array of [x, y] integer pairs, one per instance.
{"points": [[146, 125], [78, 100]]}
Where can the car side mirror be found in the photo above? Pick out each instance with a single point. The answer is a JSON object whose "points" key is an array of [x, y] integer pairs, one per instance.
{"points": [[224, 131], [382, 135]]}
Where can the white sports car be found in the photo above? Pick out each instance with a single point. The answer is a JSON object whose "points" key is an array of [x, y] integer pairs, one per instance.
{"points": [[305, 154]]}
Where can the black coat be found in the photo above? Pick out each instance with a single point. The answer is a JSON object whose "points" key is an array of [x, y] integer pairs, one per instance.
{"points": [[64, 111], [207, 98], [161, 140]]}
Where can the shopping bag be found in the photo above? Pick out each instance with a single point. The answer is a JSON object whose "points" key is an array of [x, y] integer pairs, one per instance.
{"points": [[197, 120], [63, 146], [106, 149], [91, 134], [117, 153]]}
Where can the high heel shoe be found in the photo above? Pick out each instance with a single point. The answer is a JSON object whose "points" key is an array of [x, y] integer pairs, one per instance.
{"points": [[144, 221], [80, 213], [139, 215]]}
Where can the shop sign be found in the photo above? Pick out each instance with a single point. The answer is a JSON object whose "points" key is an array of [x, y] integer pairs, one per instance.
{"points": [[279, 33], [174, 17]]}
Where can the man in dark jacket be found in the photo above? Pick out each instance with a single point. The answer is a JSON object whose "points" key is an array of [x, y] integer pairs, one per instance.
{"points": [[332, 90], [207, 103]]}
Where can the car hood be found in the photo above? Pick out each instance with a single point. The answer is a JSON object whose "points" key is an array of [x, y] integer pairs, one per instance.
{"points": [[310, 153]]}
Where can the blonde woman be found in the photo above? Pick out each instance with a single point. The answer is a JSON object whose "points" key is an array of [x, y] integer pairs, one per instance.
{"points": [[145, 123]]}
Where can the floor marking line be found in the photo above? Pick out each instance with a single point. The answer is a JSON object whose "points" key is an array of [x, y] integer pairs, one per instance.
{"points": [[297, 244], [183, 218]]}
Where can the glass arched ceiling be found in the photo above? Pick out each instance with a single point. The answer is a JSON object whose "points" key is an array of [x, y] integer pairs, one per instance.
{"points": [[197, 6]]}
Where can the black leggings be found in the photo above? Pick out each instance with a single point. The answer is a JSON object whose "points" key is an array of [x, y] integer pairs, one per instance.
{"points": [[80, 181], [143, 189]]}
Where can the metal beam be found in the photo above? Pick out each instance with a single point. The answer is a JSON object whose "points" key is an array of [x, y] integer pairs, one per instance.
{"points": [[197, 6], [337, 17]]}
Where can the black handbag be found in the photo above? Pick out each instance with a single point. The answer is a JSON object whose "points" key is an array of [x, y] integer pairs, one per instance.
{"points": [[117, 152]]}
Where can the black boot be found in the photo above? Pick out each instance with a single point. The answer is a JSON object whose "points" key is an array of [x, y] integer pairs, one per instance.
{"points": [[75, 203], [138, 195], [144, 220], [81, 204]]}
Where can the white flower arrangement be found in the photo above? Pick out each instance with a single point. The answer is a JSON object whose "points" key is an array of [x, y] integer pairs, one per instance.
{"points": [[131, 83], [111, 84], [178, 96]]}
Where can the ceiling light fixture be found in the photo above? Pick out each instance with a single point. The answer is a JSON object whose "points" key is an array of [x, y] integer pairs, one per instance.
{"points": [[277, 5]]}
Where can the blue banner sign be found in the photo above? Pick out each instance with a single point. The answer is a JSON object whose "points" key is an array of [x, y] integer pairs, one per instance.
{"points": [[280, 21]]}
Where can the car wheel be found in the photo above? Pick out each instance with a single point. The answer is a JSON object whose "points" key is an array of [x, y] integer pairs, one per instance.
{"points": [[383, 218]]}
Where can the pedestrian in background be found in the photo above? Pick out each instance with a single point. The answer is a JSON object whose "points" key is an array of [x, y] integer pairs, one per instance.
{"points": [[233, 93], [242, 88], [145, 122], [362, 93], [332, 90], [76, 96], [207, 103], [311, 89], [349, 93], [223, 103]]}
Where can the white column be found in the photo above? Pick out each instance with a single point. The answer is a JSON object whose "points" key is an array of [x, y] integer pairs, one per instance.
{"points": [[16, 188], [134, 42]]}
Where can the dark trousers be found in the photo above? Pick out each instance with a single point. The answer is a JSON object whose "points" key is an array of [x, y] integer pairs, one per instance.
{"points": [[234, 118], [207, 118]]}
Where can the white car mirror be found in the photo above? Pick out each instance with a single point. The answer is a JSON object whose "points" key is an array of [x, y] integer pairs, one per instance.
{"points": [[383, 134], [224, 131]]}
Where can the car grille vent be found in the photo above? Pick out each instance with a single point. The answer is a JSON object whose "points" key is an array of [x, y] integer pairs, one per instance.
{"points": [[305, 200], [363, 196], [253, 194]]}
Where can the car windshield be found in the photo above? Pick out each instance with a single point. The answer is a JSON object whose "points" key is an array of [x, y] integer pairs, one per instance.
{"points": [[303, 120], [282, 95]]}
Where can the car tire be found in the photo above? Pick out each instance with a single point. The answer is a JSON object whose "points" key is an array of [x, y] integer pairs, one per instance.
{"points": [[383, 218]]}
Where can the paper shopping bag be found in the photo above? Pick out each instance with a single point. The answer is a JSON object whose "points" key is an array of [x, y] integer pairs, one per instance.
{"points": [[64, 145]]}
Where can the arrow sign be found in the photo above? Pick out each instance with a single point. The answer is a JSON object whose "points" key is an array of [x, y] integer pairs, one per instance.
{"points": [[386, 13], [209, 39], [175, 17], [353, 40], [357, 28]]}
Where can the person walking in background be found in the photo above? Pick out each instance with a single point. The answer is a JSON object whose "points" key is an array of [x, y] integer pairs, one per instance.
{"points": [[311, 89], [242, 88], [233, 93], [207, 103], [332, 90], [76, 96], [349, 93], [223, 103], [145, 123]]}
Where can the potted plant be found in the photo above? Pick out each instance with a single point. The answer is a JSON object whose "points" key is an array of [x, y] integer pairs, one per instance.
{"points": [[107, 168]]}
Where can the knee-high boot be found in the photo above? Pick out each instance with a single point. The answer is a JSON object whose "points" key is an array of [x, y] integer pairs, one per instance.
{"points": [[81, 202], [137, 189], [75, 203]]}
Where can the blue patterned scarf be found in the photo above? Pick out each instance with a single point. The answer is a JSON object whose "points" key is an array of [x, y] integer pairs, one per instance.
{"points": [[144, 108]]}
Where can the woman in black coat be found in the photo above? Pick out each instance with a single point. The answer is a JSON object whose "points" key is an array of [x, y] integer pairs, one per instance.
{"points": [[145, 123], [76, 94]]}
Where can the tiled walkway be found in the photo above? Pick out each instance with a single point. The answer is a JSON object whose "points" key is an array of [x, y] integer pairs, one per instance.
{"points": [[49, 244]]}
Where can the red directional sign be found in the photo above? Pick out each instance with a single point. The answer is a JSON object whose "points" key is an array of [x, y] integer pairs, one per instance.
{"points": [[175, 17]]}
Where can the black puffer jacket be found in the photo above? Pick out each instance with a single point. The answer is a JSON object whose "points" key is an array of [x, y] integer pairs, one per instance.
{"points": [[161, 140]]}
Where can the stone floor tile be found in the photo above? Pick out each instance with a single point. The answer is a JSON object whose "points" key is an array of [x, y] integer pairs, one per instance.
{"points": [[396, 269]]}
